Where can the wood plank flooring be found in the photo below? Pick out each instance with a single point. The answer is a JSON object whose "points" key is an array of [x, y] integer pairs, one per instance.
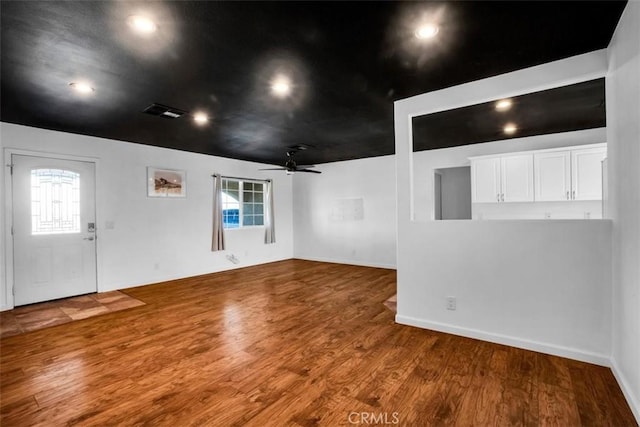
{"points": [[293, 343]]}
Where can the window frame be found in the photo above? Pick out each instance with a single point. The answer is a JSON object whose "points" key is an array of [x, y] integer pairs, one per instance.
{"points": [[241, 202]]}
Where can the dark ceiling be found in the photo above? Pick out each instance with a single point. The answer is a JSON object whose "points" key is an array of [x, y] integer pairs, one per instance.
{"points": [[574, 107], [347, 62]]}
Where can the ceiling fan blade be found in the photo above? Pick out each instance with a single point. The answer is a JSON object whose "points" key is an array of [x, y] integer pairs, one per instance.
{"points": [[291, 167]]}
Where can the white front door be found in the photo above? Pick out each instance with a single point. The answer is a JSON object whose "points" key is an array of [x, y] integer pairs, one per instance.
{"points": [[54, 245]]}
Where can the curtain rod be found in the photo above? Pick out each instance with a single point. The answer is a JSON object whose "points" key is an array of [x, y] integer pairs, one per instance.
{"points": [[240, 178]]}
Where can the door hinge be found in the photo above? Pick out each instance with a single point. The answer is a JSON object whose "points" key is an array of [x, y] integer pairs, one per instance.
{"points": [[10, 166]]}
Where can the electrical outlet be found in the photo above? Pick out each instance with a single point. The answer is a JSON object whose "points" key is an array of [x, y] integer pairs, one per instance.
{"points": [[451, 303]]}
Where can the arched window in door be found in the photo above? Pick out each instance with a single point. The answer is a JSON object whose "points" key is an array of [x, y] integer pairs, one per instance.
{"points": [[55, 201]]}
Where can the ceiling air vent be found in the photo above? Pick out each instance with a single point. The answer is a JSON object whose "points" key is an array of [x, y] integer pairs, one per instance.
{"points": [[164, 111]]}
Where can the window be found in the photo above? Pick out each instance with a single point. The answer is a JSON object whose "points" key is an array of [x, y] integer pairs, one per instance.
{"points": [[242, 203], [55, 201]]}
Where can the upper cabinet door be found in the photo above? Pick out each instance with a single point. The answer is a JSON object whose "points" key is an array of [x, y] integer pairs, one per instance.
{"points": [[485, 180], [552, 176], [586, 173], [517, 178]]}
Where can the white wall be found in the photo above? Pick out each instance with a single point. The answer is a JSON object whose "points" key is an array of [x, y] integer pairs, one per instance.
{"points": [[321, 233], [543, 285], [623, 124], [157, 239], [4, 292], [424, 162]]}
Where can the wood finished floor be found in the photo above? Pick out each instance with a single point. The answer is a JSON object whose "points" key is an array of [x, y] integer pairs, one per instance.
{"points": [[289, 343]]}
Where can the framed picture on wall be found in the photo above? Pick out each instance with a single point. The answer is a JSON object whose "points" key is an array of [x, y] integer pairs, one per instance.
{"points": [[166, 183]]}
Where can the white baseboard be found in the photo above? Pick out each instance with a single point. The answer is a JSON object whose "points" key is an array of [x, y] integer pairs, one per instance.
{"points": [[632, 399], [570, 353], [347, 261]]}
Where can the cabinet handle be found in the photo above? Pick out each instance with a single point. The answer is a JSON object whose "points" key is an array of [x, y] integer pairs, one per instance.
{"points": [[573, 194], [567, 195], [502, 197], [498, 197]]}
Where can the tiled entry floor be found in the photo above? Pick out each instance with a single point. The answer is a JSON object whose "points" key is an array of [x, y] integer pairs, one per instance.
{"points": [[392, 303], [42, 315]]}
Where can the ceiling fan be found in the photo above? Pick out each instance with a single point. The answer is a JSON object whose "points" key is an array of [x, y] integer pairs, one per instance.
{"points": [[291, 167]]}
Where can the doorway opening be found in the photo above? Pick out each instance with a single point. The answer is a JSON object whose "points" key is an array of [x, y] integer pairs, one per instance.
{"points": [[452, 193]]}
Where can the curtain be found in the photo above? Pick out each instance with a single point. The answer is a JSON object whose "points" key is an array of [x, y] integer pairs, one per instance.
{"points": [[218, 227], [269, 222]]}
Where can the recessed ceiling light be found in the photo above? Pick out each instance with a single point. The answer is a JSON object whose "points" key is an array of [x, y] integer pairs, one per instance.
{"points": [[200, 118], [426, 31], [510, 128], [83, 88], [503, 104], [142, 24], [281, 87]]}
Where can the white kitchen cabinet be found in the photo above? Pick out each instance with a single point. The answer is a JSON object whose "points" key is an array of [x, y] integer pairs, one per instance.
{"points": [[485, 180], [554, 183], [516, 176], [552, 171], [553, 175], [574, 174], [586, 173], [502, 179]]}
